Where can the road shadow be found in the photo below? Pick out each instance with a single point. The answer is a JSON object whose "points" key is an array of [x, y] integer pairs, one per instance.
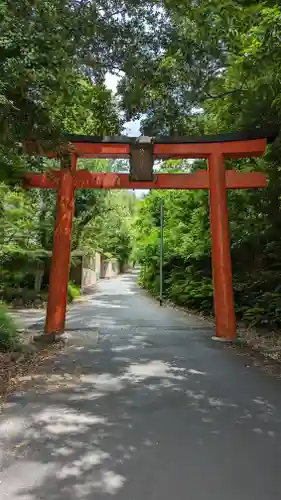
{"points": [[75, 424], [149, 408]]}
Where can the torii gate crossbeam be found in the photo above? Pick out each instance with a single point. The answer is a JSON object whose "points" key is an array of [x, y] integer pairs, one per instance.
{"points": [[216, 179]]}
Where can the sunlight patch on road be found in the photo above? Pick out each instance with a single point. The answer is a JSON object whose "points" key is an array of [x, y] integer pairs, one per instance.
{"points": [[85, 463], [107, 305], [103, 382], [107, 482], [127, 347], [195, 372], [12, 427], [87, 395], [62, 420], [141, 371]]}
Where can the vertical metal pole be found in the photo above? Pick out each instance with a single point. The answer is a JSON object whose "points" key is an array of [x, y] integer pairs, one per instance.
{"points": [[161, 251]]}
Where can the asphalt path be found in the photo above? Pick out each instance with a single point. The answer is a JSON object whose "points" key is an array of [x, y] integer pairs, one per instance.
{"points": [[142, 405]]}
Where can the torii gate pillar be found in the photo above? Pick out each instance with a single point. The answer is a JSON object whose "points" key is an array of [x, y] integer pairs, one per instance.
{"points": [[221, 257], [58, 287]]}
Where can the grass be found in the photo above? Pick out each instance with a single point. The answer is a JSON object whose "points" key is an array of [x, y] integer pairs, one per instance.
{"points": [[73, 291], [9, 335]]}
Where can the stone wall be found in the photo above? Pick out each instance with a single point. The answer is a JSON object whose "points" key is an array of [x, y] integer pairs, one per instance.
{"points": [[90, 269], [109, 269]]}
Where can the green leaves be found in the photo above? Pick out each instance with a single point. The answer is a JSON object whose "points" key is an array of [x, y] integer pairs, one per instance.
{"points": [[53, 60], [186, 244], [9, 336], [86, 109]]}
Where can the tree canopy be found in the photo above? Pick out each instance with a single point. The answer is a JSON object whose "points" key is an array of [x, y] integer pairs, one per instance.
{"points": [[221, 53]]}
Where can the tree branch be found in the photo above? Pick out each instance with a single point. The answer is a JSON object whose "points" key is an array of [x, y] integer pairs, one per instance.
{"points": [[100, 64], [227, 93], [223, 94]]}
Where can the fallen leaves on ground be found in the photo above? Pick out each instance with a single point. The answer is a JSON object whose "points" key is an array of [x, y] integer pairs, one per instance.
{"points": [[267, 343], [264, 349], [26, 361]]}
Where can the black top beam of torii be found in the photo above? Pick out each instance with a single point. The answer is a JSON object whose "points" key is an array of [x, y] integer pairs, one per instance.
{"points": [[269, 133]]}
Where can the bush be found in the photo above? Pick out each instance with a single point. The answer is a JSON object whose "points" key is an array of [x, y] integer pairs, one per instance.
{"points": [[73, 291], [9, 336], [193, 292], [23, 297]]}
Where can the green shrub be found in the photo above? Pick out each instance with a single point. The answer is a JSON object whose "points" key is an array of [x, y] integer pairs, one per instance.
{"points": [[9, 336], [23, 297], [192, 290], [73, 291]]}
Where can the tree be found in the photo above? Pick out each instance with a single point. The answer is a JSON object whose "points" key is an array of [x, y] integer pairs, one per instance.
{"points": [[110, 232], [238, 88], [48, 47], [223, 51]]}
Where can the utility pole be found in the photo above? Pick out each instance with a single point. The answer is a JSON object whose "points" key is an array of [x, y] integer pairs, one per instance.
{"points": [[161, 251]]}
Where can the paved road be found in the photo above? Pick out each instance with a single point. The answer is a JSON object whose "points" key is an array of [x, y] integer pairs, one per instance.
{"points": [[153, 409]]}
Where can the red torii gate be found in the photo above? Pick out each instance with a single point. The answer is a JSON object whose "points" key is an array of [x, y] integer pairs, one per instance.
{"points": [[213, 148]]}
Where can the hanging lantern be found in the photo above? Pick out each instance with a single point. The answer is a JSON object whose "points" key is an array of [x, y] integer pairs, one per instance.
{"points": [[141, 161]]}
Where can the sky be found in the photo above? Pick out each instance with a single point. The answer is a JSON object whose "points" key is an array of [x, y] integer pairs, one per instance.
{"points": [[131, 128]]}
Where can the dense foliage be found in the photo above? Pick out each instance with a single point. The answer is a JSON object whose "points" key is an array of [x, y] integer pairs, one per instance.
{"points": [[255, 246], [101, 223], [54, 57], [222, 73], [9, 336]]}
